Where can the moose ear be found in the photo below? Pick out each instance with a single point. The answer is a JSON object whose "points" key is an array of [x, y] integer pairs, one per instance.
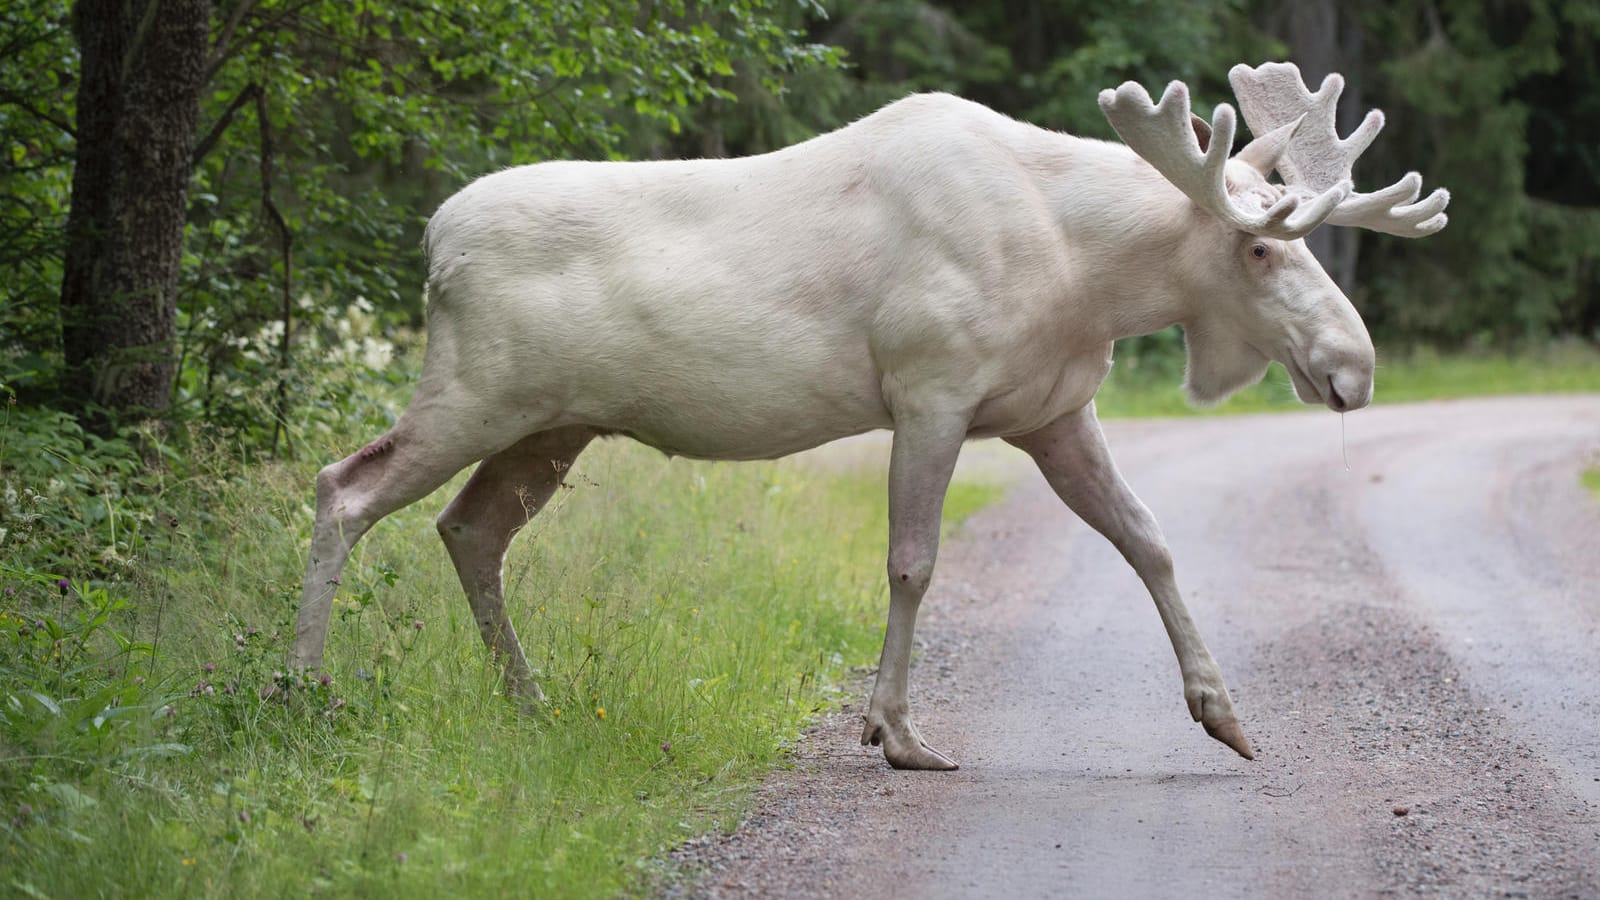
{"points": [[1202, 131], [1262, 153]]}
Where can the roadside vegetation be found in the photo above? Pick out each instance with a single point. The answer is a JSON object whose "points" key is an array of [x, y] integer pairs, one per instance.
{"points": [[1148, 383], [686, 618]]}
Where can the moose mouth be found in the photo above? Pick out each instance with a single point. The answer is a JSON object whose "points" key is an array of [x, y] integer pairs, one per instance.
{"points": [[1308, 389]]}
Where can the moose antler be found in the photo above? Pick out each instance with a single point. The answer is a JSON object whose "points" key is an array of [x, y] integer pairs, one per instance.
{"points": [[1274, 94], [1161, 133]]}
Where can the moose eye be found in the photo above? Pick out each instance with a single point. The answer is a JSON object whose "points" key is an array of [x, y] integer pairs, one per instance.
{"points": [[1259, 251]]}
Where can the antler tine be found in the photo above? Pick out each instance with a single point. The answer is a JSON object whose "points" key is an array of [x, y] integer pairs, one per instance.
{"points": [[1317, 158], [1160, 132]]}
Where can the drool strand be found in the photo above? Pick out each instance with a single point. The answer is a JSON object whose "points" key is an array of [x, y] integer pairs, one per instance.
{"points": [[1344, 447]]}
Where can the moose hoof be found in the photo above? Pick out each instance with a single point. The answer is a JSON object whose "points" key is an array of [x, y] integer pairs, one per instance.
{"points": [[906, 750], [1229, 732]]}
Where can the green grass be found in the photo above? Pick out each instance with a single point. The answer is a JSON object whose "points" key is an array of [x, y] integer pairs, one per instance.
{"points": [[1153, 388], [1591, 480], [686, 619], [708, 610]]}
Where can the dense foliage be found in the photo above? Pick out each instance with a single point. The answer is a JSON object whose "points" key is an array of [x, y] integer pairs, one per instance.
{"points": [[348, 123]]}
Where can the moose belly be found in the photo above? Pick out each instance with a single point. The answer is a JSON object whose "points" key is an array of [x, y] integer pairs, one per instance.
{"points": [[741, 414]]}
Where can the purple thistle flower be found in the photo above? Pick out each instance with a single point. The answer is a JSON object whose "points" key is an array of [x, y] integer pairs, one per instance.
{"points": [[417, 624], [325, 679], [208, 668], [400, 857], [63, 584], [666, 746]]}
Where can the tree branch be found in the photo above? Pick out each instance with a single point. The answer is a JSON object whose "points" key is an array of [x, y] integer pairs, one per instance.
{"points": [[280, 423], [209, 142], [137, 44], [14, 99], [222, 53], [219, 48]]}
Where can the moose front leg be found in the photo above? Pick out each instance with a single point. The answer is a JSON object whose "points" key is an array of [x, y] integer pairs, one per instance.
{"points": [[920, 463], [1072, 454]]}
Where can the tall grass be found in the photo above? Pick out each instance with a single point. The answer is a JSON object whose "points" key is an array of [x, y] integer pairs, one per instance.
{"points": [[685, 619]]}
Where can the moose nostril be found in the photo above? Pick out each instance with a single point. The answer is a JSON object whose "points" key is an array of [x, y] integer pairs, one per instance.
{"points": [[1336, 402]]}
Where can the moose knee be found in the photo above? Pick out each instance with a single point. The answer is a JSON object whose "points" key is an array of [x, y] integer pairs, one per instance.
{"points": [[1150, 556], [911, 570]]}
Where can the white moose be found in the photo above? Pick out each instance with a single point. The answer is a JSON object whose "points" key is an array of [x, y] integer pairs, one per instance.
{"points": [[935, 268]]}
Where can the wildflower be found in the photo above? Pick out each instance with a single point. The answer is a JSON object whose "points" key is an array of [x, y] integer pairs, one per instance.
{"points": [[557, 711], [400, 857], [600, 711], [208, 668], [63, 584], [417, 624], [325, 679], [10, 591], [250, 632], [188, 860], [666, 746], [138, 679], [244, 816]]}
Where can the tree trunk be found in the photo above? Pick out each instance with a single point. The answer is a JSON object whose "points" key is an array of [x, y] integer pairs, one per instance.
{"points": [[1325, 36], [142, 69]]}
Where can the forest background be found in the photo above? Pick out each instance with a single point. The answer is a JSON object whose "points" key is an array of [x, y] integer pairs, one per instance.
{"points": [[281, 157]]}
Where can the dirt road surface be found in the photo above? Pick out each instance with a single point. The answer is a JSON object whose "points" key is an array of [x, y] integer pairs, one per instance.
{"points": [[1419, 634]]}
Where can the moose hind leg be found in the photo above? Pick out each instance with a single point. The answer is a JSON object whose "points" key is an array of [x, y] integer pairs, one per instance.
{"points": [[406, 464], [508, 489]]}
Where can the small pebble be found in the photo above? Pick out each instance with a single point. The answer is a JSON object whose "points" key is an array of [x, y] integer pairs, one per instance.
{"points": [[1401, 810]]}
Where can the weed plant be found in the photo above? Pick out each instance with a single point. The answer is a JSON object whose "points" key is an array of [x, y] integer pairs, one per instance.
{"points": [[685, 619]]}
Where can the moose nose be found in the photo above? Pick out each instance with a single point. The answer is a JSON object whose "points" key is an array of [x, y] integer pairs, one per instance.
{"points": [[1348, 390], [1335, 402]]}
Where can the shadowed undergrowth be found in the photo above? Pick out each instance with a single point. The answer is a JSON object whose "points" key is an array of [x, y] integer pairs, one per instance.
{"points": [[685, 619]]}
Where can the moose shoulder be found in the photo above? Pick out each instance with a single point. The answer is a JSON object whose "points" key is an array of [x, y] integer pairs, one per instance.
{"points": [[936, 268]]}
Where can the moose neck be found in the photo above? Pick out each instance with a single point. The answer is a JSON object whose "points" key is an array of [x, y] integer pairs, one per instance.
{"points": [[1129, 233]]}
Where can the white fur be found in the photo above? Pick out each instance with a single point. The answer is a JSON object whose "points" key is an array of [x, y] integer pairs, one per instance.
{"points": [[936, 268]]}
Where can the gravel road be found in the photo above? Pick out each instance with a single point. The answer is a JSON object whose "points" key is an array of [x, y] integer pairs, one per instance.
{"points": [[1413, 646]]}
